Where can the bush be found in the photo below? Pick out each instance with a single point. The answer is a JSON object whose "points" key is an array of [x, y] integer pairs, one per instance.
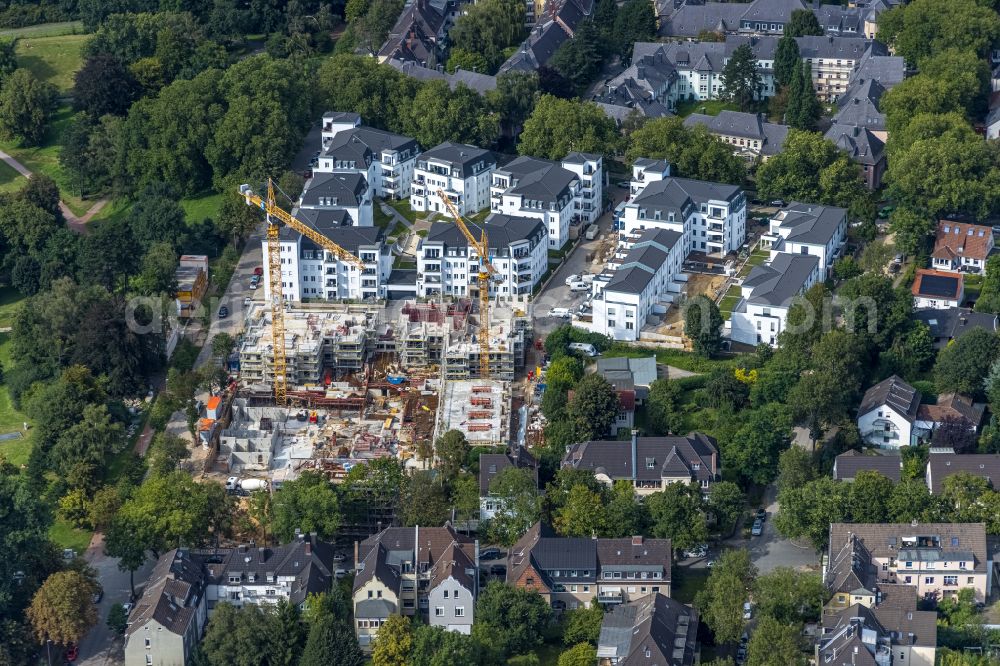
{"points": [[928, 392]]}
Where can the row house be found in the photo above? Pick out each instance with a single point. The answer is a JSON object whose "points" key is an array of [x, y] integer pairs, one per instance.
{"points": [[767, 294], [654, 628], [430, 572], [447, 264], [560, 195], [571, 572], [834, 59], [808, 229], [936, 559], [638, 283], [186, 585], [750, 134], [310, 272], [420, 33], [690, 18], [461, 171], [386, 160], [649, 463]]}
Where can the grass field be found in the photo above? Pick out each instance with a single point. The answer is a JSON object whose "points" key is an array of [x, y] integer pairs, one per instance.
{"points": [[756, 259], [10, 179], [687, 582], [203, 206], [729, 301], [45, 159], [65, 535], [52, 59], [678, 358], [403, 208], [45, 30]]}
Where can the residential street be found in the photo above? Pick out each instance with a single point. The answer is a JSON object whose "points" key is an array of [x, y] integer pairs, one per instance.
{"points": [[770, 550], [100, 647]]}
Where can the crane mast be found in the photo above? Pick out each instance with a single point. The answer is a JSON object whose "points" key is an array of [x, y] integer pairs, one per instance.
{"points": [[486, 272], [276, 218]]}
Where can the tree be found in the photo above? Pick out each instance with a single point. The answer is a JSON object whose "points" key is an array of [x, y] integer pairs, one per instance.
{"points": [[955, 433], [721, 600], [557, 127], [488, 28], [436, 646], [103, 86], [63, 610], [795, 468], [593, 407], [787, 61], [253, 634], [635, 21], [694, 152], [519, 505], [578, 59], [875, 310], [807, 511], [512, 619], [804, 109], [371, 28], [581, 654], [962, 366], [25, 103], [663, 407], [989, 296], [797, 173], [756, 446], [452, 451], [331, 641], [726, 502], [802, 23], [309, 504], [703, 325], [741, 78], [425, 501], [117, 619], [165, 452], [158, 272], [772, 637], [583, 624], [440, 114], [789, 596], [582, 513], [623, 515], [157, 217], [513, 98], [926, 27], [677, 513]]}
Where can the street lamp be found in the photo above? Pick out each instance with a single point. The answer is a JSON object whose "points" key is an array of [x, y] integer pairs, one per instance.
{"points": [[48, 649]]}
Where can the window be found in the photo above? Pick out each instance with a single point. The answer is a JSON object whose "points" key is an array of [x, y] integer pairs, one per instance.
{"points": [[147, 643], [454, 595], [149, 659], [951, 580], [459, 611], [439, 611], [928, 580], [656, 588], [970, 580], [446, 594]]}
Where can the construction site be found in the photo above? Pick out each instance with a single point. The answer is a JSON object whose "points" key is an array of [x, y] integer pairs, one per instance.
{"points": [[366, 381]]}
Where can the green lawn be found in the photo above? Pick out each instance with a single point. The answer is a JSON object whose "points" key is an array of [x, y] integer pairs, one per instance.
{"points": [[382, 221], [65, 535], [45, 30], [10, 179], [403, 208], [686, 583], [678, 358], [710, 107], [52, 59], [203, 206], [45, 159], [114, 210], [16, 450], [756, 259], [729, 301]]}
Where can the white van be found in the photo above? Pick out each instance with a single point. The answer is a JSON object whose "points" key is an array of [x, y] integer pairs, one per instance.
{"points": [[584, 348], [579, 285], [592, 232], [560, 312]]}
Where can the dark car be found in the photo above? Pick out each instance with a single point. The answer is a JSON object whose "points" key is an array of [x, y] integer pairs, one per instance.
{"points": [[760, 515], [98, 595], [491, 554], [498, 570], [223, 312]]}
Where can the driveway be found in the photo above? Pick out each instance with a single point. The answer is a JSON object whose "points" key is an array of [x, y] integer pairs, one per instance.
{"points": [[237, 290], [310, 145], [770, 550], [101, 647]]}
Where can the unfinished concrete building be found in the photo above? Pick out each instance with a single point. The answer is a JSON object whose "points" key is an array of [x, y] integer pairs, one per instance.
{"points": [[249, 443], [479, 409], [322, 342]]}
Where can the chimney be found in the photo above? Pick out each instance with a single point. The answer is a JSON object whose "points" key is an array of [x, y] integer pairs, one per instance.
{"points": [[357, 546], [635, 446], [309, 547], [637, 540]]}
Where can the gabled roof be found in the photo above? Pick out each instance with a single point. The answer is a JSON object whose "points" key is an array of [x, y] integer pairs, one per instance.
{"points": [[859, 143], [859, 105], [501, 231], [895, 393], [172, 593], [847, 48], [887, 70], [851, 569], [837, 19], [847, 465], [780, 280], [811, 223], [690, 19], [657, 626], [492, 464], [772, 11], [937, 284], [338, 227], [952, 405], [362, 144], [643, 260], [538, 180], [426, 548], [642, 370], [952, 323], [942, 465], [928, 540], [346, 189], [953, 240], [461, 156], [481, 83], [695, 456]]}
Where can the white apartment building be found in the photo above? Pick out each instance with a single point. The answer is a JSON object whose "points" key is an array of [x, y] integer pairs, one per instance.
{"points": [[448, 265], [310, 272], [639, 283], [558, 195], [335, 122], [386, 160], [802, 228], [461, 170], [711, 216], [888, 412], [834, 59], [646, 171], [340, 191], [767, 294]]}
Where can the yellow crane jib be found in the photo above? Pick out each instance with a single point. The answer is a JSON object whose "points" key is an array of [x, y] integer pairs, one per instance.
{"points": [[276, 217], [486, 271]]}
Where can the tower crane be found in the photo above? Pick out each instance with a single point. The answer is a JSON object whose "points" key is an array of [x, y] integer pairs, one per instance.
{"points": [[487, 272], [276, 218]]}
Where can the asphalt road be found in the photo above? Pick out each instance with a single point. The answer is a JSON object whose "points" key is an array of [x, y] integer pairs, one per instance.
{"points": [[770, 550], [101, 647]]}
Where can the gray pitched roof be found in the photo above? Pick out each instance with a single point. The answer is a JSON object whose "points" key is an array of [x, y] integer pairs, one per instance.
{"points": [[362, 144], [492, 464], [859, 105], [953, 323], [645, 257], [942, 465], [346, 189], [811, 223], [648, 458], [539, 180], [690, 19], [840, 20], [501, 231], [779, 281], [481, 83], [642, 370], [382, 555], [895, 393], [884, 540], [887, 70], [172, 593], [337, 226], [847, 465], [655, 625], [896, 621], [461, 156], [342, 116], [858, 142], [772, 11], [847, 48]]}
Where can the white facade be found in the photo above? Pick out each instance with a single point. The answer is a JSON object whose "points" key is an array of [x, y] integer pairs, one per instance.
{"points": [[446, 264], [646, 171], [450, 604], [588, 203], [886, 428], [386, 160], [820, 231], [462, 171], [767, 294]]}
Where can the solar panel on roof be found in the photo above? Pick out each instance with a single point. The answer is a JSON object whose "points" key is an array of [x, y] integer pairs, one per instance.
{"points": [[938, 285]]}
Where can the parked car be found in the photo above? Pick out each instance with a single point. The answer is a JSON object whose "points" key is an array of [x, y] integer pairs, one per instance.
{"points": [[579, 285], [761, 514], [564, 313], [223, 312], [697, 551], [98, 595], [758, 528], [584, 348], [247, 302], [623, 183], [778, 202], [886, 211], [741, 655], [747, 610], [488, 554], [571, 279], [339, 557], [258, 271]]}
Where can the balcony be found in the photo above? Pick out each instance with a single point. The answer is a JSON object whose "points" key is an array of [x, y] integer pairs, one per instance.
{"points": [[715, 226], [608, 597]]}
